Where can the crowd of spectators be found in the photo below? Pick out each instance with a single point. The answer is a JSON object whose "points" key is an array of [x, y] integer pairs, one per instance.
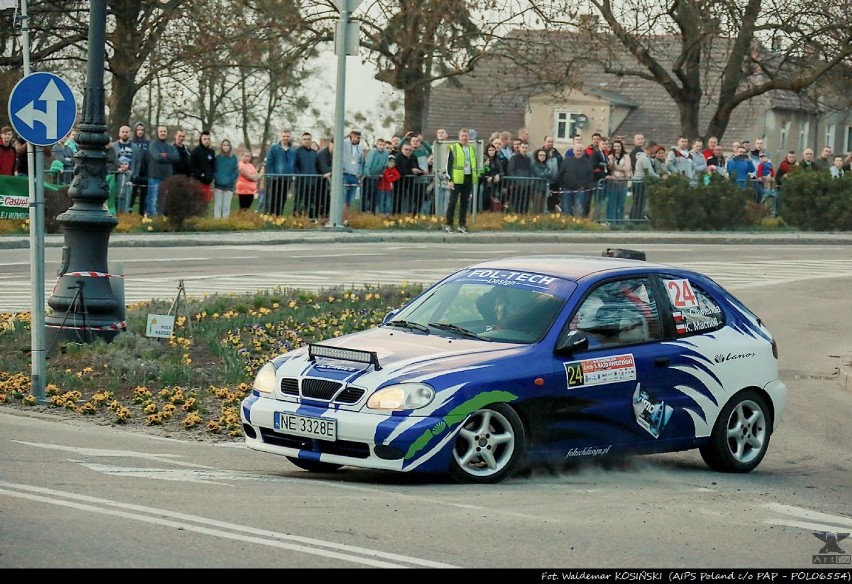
{"points": [[409, 174]]}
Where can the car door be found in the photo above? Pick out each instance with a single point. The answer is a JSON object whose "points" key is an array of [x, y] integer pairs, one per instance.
{"points": [[695, 320], [618, 393]]}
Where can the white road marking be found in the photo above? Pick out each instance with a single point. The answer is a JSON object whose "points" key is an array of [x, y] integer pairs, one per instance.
{"points": [[336, 255], [197, 473], [832, 521], [214, 528], [15, 294], [755, 274], [159, 458]]}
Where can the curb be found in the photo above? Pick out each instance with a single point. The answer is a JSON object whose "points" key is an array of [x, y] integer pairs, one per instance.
{"points": [[610, 238]]}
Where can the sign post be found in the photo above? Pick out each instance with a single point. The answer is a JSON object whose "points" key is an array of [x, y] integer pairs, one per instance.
{"points": [[345, 43], [35, 124]]}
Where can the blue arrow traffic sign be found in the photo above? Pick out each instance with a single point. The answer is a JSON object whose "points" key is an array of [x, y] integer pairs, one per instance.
{"points": [[42, 108]]}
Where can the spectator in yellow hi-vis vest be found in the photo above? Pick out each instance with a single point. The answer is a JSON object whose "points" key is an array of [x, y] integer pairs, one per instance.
{"points": [[463, 166]]}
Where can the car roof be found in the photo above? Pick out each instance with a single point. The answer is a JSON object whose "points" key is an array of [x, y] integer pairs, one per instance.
{"points": [[568, 267]]}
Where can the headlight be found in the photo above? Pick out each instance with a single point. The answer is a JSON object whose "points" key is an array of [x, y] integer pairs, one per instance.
{"points": [[405, 396], [265, 380]]}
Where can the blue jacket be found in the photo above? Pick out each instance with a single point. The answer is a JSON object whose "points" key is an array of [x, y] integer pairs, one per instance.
{"points": [[739, 168], [377, 161], [280, 161], [306, 161], [226, 172]]}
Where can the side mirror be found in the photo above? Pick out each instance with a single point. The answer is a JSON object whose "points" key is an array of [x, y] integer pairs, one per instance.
{"points": [[390, 315], [574, 342]]}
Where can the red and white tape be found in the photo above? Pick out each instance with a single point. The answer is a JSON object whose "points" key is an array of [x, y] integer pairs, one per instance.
{"points": [[83, 275], [91, 275]]}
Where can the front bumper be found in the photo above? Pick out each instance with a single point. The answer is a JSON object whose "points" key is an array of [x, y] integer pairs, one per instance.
{"points": [[377, 441]]}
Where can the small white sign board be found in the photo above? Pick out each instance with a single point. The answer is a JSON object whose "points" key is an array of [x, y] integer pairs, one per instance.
{"points": [[160, 325]]}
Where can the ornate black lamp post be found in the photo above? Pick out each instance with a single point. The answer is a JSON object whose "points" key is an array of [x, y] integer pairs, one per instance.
{"points": [[85, 307]]}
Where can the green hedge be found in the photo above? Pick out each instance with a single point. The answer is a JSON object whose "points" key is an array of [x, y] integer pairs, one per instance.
{"points": [[814, 201], [719, 205]]}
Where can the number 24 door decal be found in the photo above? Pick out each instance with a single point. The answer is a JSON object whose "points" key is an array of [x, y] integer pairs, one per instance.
{"points": [[681, 294]]}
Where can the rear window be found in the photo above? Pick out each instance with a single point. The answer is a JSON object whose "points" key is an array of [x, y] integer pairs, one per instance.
{"points": [[694, 311]]}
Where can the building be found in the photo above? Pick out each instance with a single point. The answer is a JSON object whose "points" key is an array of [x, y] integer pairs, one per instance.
{"points": [[590, 100]]}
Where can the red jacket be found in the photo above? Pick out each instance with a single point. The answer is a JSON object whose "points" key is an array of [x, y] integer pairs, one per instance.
{"points": [[8, 156], [389, 176]]}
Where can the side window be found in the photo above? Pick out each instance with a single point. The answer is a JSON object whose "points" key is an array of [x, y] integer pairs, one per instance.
{"points": [[694, 310], [618, 313]]}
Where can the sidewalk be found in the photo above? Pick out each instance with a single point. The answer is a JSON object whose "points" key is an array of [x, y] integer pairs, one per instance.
{"points": [[605, 238]]}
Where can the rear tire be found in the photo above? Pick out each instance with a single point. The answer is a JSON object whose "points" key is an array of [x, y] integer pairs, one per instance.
{"points": [[314, 465], [740, 435], [490, 446]]}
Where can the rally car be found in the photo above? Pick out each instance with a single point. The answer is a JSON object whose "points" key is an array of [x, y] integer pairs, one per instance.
{"points": [[513, 362]]}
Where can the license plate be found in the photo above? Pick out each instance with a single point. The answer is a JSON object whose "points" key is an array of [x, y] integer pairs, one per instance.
{"points": [[322, 428]]}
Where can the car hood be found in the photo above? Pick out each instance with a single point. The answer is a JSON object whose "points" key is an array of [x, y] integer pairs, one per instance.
{"points": [[402, 357]]}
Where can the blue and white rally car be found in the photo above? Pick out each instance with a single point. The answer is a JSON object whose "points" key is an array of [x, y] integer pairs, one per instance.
{"points": [[525, 360]]}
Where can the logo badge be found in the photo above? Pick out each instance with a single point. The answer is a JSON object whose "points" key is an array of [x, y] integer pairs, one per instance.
{"points": [[831, 552]]}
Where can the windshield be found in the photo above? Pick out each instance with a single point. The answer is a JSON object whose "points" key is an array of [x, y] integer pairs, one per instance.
{"points": [[492, 309]]}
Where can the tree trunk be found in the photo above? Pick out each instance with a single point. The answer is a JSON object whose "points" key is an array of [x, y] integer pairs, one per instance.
{"points": [[120, 102], [415, 108], [689, 119]]}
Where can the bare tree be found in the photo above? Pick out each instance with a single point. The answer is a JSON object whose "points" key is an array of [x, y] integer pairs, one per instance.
{"points": [[415, 44], [234, 50], [139, 29], [720, 53], [54, 29]]}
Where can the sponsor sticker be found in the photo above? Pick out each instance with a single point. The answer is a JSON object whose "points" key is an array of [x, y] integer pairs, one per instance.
{"points": [[600, 371], [651, 414], [14, 207], [510, 278]]}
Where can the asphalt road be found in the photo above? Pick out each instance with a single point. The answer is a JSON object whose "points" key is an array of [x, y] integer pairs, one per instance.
{"points": [[77, 495]]}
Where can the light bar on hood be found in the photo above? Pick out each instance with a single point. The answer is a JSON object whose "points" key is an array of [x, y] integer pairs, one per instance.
{"points": [[356, 355]]}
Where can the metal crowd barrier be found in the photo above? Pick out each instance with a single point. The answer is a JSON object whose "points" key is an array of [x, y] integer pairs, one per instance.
{"points": [[118, 182], [411, 195], [58, 177], [515, 194], [624, 200], [311, 195], [613, 201], [610, 201]]}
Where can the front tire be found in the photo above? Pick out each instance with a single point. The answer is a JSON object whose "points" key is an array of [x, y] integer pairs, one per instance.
{"points": [[490, 446], [740, 436], [314, 465]]}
